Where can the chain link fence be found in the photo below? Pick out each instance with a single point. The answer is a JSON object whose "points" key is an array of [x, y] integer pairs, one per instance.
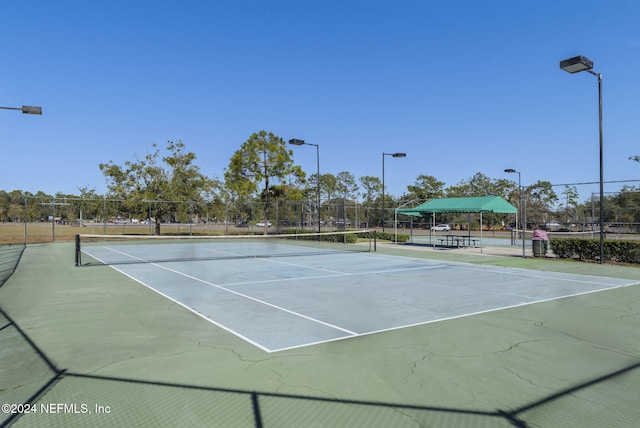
{"points": [[46, 219], [45, 395]]}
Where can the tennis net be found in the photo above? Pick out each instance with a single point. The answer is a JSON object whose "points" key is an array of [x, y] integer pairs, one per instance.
{"points": [[126, 249]]}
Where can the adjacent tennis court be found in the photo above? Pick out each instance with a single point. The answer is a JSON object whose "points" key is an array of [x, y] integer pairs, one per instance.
{"points": [[281, 294]]}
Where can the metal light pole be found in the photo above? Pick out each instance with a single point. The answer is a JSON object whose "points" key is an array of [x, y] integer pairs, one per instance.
{"points": [[28, 110], [576, 65], [25, 109], [393, 155], [523, 221], [297, 142]]}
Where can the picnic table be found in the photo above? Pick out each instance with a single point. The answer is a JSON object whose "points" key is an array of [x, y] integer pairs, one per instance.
{"points": [[458, 241]]}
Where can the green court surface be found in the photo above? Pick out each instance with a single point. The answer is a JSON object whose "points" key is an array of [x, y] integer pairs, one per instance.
{"points": [[94, 346]]}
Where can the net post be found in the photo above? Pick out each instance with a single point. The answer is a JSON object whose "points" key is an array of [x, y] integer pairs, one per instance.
{"points": [[77, 250], [375, 239]]}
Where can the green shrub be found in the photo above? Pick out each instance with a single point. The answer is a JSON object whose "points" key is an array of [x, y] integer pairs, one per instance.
{"points": [[390, 236], [616, 251], [351, 238]]}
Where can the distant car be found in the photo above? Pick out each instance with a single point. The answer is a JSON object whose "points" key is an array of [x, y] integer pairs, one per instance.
{"points": [[261, 224], [243, 223], [550, 226], [441, 228]]}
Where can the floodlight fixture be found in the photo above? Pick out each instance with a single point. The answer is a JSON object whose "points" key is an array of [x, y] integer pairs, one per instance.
{"points": [[25, 109], [31, 110], [296, 142], [576, 64]]}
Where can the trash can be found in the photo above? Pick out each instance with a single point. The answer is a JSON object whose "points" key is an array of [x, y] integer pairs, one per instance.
{"points": [[540, 243]]}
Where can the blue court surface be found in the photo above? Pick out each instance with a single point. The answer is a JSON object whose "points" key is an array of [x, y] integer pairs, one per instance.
{"points": [[294, 297]]}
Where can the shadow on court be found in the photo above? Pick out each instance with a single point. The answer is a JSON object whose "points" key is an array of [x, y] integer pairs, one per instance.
{"points": [[9, 258], [76, 399]]}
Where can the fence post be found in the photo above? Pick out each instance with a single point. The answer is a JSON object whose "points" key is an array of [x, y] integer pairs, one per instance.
{"points": [[77, 250], [375, 239]]}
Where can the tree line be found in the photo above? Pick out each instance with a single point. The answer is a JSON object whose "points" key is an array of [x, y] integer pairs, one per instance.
{"points": [[262, 182]]}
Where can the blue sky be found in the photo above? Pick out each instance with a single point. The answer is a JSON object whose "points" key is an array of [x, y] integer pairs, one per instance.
{"points": [[460, 86]]}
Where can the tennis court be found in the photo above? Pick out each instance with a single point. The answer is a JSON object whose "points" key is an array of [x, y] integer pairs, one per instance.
{"points": [[461, 341], [280, 295]]}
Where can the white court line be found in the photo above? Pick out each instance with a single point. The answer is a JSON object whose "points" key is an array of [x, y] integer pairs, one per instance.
{"points": [[334, 272], [305, 266], [275, 261], [470, 314], [238, 294], [298, 278], [337, 273], [179, 303], [525, 273]]}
